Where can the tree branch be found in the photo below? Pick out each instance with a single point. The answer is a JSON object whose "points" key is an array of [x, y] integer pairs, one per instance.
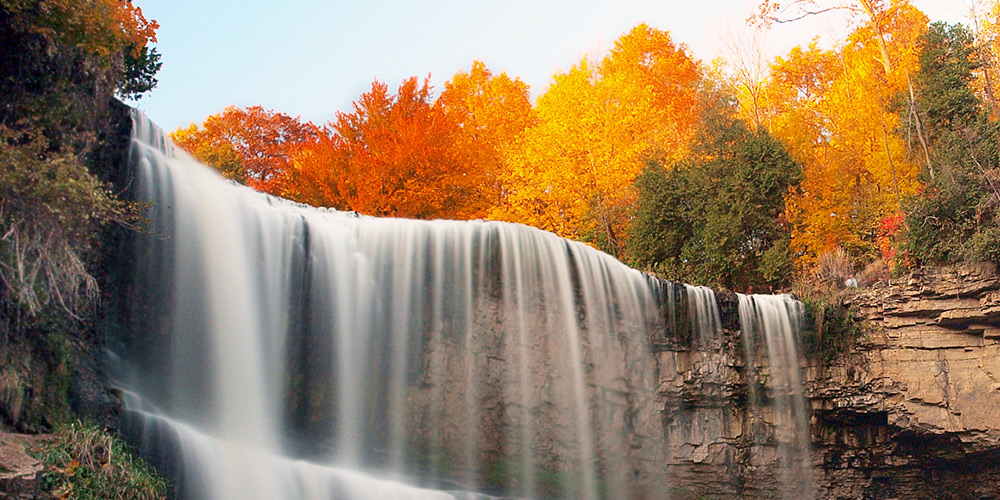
{"points": [[811, 13]]}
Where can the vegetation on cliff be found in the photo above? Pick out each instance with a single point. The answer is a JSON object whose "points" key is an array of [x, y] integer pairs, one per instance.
{"points": [[67, 60], [64, 61], [84, 462]]}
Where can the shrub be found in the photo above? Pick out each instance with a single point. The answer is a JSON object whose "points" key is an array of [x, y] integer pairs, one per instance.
{"points": [[874, 272], [50, 210], [830, 329]]}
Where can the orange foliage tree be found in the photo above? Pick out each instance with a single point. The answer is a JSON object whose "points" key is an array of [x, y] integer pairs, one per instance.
{"points": [[393, 156], [573, 171], [404, 155], [100, 27], [251, 145]]}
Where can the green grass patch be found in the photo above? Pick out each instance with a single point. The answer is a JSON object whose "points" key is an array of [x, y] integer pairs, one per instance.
{"points": [[86, 462]]}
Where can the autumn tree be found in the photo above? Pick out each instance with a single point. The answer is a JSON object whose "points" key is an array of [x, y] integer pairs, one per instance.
{"points": [[744, 71], [394, 156], [837, 113], [490, 113], [114, 32], [717, 217], [573, 171], [250, 145]]}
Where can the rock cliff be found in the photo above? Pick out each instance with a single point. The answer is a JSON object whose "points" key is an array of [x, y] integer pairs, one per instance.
{"points": [[910, 411], [914, 410]]}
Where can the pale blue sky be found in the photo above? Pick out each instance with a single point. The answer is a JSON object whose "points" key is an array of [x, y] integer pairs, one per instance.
{"points": [[311, 58]]}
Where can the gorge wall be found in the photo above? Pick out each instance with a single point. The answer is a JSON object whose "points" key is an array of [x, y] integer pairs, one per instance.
{"points": [[914, 410], [910, 411]]}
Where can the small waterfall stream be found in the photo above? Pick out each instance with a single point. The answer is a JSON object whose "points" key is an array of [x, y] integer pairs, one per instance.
{"points": [[283, 351], [776, 320]]}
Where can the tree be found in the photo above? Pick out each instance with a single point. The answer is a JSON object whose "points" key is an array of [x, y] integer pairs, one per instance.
{"points": [[573, 172], [956, 217], [115, 32], [836, 112], [717, 218], [744, 71], [491, 112], [402, 155], [249, 145], [394, 156]]}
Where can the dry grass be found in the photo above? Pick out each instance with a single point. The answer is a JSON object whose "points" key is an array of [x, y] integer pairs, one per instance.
{"points": [[834, 267], [87, 463]]}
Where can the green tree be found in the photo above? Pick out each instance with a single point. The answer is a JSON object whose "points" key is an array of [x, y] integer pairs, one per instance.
{"points": [[956, 217], [716, 218]]}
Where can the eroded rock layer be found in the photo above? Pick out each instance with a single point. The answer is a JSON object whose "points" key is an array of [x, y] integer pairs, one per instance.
{"points": [[914, 411]]}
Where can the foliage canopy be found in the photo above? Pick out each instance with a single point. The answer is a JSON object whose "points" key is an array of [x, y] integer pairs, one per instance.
{"points": [[716, 217]]}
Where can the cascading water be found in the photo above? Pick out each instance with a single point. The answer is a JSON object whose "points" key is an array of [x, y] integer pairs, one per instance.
{"points": [[775, 319], [292, 352], [283, 351], [704, 311]]}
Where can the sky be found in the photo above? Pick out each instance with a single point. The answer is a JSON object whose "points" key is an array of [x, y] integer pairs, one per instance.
{"points": [[312, 58]]}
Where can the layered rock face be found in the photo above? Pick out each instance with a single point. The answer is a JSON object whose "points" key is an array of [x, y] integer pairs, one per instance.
{"points": [[911, 411], [914, 411]]}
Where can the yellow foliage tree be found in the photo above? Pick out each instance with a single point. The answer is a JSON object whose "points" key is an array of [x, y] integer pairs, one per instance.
{"points": [[573, 171], [837, 112], [490, 113]]}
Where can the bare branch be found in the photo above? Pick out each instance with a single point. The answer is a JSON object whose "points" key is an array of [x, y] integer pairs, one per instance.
{"points": [[808, 13]]}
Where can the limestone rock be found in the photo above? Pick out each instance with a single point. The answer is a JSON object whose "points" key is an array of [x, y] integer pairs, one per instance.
{"points": [[912, 412], [921, 398], [20, 474]]}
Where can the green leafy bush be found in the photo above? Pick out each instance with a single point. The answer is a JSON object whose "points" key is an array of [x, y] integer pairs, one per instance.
{"points": [[830, 329]]}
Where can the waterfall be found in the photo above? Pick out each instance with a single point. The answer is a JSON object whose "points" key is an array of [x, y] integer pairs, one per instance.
{"points": [[275, 350], [704, 312], [776, 319], [285, 351]]}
